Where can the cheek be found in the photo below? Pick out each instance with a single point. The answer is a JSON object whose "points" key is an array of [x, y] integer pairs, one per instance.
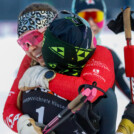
{"points": [[39, 46], [29, 54], [94, 41], [100, 24]]}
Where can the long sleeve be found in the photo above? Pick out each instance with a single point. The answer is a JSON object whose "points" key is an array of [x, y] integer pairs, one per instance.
{"points": [[99, 68], [11, 113], [121, 80]]}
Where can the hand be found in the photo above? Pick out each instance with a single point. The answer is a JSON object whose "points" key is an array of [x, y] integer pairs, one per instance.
{"points": [[33, 78], [26, 125]]}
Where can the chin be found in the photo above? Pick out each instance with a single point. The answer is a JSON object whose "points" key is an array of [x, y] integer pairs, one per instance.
{"points": [[42, 64]]}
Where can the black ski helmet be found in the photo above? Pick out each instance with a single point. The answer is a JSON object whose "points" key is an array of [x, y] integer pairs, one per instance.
{"points": [[67, 45], [79, 5]]}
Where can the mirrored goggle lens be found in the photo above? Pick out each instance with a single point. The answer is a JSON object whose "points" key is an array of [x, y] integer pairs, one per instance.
{"points": [[31, 38], [97, 16]]}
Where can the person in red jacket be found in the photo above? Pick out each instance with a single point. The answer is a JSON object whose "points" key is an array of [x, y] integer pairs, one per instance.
{"points": [[95, 12], [96, 69], [66, 60], [40, 15]]}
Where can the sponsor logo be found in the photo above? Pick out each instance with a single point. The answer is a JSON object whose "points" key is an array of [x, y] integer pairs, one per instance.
{"points": [[10, 93], [90, 2], [11, 119], [96, 71], [47, 91], [44, 100], [95, 63]]}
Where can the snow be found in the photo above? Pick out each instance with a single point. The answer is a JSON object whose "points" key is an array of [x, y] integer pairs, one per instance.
{"points": [[11, 55], [10, 58]]}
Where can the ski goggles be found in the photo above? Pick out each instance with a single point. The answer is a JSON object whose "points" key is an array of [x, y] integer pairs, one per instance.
{"points": [[32, 38], [97, 16]]}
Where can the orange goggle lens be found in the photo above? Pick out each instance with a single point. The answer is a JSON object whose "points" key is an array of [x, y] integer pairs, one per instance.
{"points": [[97, 16]]}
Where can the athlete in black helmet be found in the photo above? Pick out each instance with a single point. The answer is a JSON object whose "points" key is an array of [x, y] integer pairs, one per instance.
{"points": [[69, 45]]}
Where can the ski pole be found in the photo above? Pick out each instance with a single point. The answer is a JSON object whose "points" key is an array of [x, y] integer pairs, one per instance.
{"points": [[65, 114], [87, 95], [129, 50]]}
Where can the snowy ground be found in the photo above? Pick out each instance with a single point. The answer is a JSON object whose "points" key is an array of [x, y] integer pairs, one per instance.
{"points": [[11, 55]]}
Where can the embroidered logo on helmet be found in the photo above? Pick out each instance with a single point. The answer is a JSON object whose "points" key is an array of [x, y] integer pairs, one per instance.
{"points": [[90, 2]]}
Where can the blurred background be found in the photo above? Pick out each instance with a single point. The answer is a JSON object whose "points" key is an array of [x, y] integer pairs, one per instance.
{"points": [[9, 10], [11, 54]]}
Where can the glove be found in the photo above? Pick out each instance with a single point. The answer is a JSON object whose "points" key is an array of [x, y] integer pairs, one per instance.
{"points": [[127, 124], [125, 127], [26, 125], [34, 77], [129, 112], [117, 25]]}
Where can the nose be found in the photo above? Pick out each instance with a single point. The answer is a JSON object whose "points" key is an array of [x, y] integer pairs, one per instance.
{"points": [[91, 22]]}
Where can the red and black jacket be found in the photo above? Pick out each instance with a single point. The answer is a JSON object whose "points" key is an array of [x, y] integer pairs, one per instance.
{"points": [[99, 68]]}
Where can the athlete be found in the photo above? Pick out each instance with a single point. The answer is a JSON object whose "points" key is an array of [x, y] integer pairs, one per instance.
{"points": [[60, 55], [40, 15], [94, 11], [66, 86]]}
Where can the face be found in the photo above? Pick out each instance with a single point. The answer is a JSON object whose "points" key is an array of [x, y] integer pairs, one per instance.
{"points": [[32, 49], [35, 52], [95, 18], [94, 26]]}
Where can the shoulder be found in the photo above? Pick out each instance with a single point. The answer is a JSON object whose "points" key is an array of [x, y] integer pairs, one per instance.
{"points": [[103, 53], [26, 58], [102, 48], [26, 62]]}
